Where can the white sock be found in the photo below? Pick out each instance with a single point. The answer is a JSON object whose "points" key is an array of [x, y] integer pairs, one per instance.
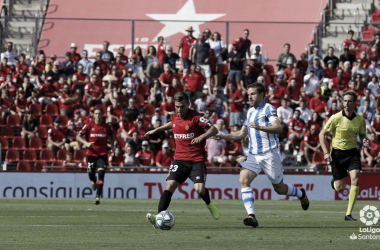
{"points": [[248, 199], [293, 191]]}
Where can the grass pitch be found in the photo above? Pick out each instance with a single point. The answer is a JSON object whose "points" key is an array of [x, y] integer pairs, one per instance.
{"points": [[29, 223]]}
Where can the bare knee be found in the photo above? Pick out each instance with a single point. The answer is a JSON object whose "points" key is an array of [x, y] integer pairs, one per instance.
{"points": [[280, 188]]}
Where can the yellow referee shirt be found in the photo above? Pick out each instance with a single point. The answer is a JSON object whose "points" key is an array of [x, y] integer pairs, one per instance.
{"points": [[345, 130]]}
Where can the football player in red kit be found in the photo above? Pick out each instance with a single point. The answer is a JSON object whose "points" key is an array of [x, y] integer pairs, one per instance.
{"points": [[96, 133], [189, 160]]}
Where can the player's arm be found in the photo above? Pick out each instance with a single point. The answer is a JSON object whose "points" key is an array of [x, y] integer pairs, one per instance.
{"points": [[275, 127], [212, 131], [322, 140], [164, 127], [235, 136], [83, 141]]}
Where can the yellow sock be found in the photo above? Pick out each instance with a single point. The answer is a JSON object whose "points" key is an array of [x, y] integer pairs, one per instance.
{"points": [[352, 199]]}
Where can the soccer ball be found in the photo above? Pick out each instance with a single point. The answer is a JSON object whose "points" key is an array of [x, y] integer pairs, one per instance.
{"points": [[165, 220]]}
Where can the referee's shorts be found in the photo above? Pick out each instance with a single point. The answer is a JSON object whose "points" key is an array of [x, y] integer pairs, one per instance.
{"points": [[343, 161]]}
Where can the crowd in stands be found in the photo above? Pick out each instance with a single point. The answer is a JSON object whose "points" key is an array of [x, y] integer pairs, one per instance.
{"points": [[136, 94]]}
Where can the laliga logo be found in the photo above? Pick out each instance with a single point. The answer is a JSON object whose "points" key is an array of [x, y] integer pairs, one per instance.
{"points": [[369, 215], [344, 195]]}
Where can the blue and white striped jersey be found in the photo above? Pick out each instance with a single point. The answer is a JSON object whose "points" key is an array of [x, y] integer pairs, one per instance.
{"points": [[260, 142]]}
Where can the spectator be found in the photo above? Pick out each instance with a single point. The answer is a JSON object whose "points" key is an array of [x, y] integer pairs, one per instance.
{"points": [[87, 64], [23, 66], [315, 120], [372, 152], [75, 57], [285, 113], [47, 93], [280, 85], [171, 59], [366, 111], [330, 70], [246, 78], [154, 70], [164, 158], [302, 64], [260, 59], [145, 157], [318, 103], [129, 156], [288, 72], [121, 71], [375, 126], [201, 54], [78, 120], [28, 87], [245, 44], [365, 61], [29, 126], [55, 72], [283, 57], [274, 100], [151, 57], [346, 57], [296, 131], [236, 105], [157, 139], [34, 78], [116, 160], [359, 69], [332, 57], [146, 121], [92, 92], [373, 87], [293, 93], [339, 83], [9, 53], [318, 70], [135, 142], [167, 76], [335, 97], [221, 126], [176, 87], [311, 83], [68, 162], [131, 107], [350, 43], [125, 125], [314, 55], [236, 58], [107, 56], [333, 110], [68, 65], [56, 138], [311, 143], [221, 105], [217, 44], [367, 96], [70, 137], [161, 49], [194, 80], [256, 69], [185, 44], [130, 82], [157, 115], [216, 150], [67, 101], [21, 104], [140, 128], [156, 94], [114, 112], [139, 57], [201, 103]]}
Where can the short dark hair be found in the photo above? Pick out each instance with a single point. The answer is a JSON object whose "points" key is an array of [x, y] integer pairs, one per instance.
{"points": [[98, 108], [260, 88], [297, 110], [351, 93], [287, 44], [181, 96]]}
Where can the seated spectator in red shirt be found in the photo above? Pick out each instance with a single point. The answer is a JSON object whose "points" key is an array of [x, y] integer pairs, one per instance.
{"points": [[303, 64], [164, 158], [146, 121], [141, 129], [5, 106], [294, 94], [297, 129], [333, 110], [280, 86], [194, 79], [166, 78], [62, 80], [288, 72], [120, 65], [78, 120], [125, 125], [375, 126], [339, 83], [372, 152], [69, 162], [168, 108], [145, 157], [67, 102], [47, 93], [330, 70], [102, 64], [114, 112], [71, 135], [56, 138], [21, 104], [75, 57], [274, 100], [311, 143], [315, 120], [80, 79], [233, 148], [92, 92], [116, 159], [174, 88], [22, 65], [317, 103], [216, 150], [350, 43]]}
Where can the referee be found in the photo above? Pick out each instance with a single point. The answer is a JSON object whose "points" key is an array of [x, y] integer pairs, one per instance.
{"points": [[345, 127]]}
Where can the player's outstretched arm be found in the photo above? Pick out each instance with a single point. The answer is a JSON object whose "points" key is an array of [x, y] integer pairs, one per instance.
{"points": [[275, 127], [83, 141], [235, 136], [322, 140], [164, 127], [210, 133]]}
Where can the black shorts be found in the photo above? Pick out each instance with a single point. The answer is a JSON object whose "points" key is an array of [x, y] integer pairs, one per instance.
{"points": [[343, 161], [95, 162], [181, 170]]}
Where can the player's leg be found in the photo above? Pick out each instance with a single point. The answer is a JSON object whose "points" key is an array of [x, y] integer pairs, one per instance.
{"points": [[91, 170], [354, 191], [166, 197], [198, 176], [250, 169], [101, 164]]}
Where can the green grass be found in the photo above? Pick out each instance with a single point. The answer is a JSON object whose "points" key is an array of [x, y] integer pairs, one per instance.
{"points": [[121, 224]]}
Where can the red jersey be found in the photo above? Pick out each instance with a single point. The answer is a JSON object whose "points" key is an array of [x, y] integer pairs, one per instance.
{"points": [[160, 53], [194, 80], [99, 135], [78, 124], [5, 104], [297, 125], [373, 148], [62, 105], [170, 90], [318, 105], [185, 130], [124, 59], [75, 57], [279, 91], [351, 44], [185, 43], [145, 157], [293, 94], [141, 132], [232, 145], [339, 85], [125, 125], [244, 45], [164, 160], [168, 107], [55, 135], [48, 91], [375, 125], [166, 78], [330, 73], [275, 102], [118, 111], [71, 135], [236, 106], [317, 124], [93, 89], [7, 69], [21, 104], [312, 140], [24, 67], [115, 160]]}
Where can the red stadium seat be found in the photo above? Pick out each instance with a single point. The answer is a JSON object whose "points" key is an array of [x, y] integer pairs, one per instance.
{"points": [[63, 120], [318, 158], [7, 132], [42, 133], [35, 143], [13, 121], [46, 155], [376, 18], [36, 109], [61, 154], [4, 143], [30, 155], [18, 143], [211, 167], [142, 89], [12, 155], [365, 168], [376, 11], [376, 168], [270, 70], [139, 100], [39, 165], [149, 110], [46, 121], [23, 166], [52, 110], [226, 165], [57, 164], [80, 156]]}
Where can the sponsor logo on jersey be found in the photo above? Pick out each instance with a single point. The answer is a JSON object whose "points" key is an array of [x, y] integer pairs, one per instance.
{"points": [[98, 135], [183, 136], [274, 113], [187, 127]]}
